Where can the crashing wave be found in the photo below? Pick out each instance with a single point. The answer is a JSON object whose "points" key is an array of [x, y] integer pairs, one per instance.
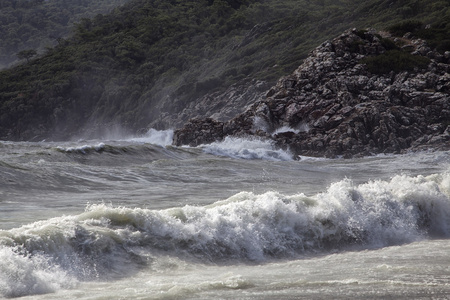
{"points": [[84, 149], [247, 148], [107, 241], [156, 137]]}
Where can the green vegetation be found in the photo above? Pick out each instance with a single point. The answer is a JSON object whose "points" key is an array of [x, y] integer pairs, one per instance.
{"points": [[37, 24], [436, 35], [150, 57], [26, 54], [394, 60]]}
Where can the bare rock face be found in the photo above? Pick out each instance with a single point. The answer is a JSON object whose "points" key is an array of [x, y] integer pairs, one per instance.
{"points": [[198, 131], [332, 105], [220, 105]]}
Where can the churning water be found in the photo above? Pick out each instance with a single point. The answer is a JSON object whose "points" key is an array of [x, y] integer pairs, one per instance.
{"points": [[135, 218]]}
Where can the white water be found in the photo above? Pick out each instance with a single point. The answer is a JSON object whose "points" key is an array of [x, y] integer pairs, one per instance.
{"points": [[252, 148], [131, 219], [155, 137]]}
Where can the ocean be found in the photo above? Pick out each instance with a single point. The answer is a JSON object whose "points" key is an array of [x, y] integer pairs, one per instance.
{"points": [[136, 218]]}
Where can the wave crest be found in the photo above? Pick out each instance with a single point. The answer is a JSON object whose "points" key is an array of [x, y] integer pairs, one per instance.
{"points": [[247, 148], [107, 241]]}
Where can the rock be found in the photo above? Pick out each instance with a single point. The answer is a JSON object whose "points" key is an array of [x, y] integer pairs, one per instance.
{"points": [[221, 105], [347, 110], [197, 132]]}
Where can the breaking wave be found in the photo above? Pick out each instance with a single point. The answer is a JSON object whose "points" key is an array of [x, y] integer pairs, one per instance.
{"points": [[233, 147], [108, 242], [247, 148], [156, 137], [83, 149]]}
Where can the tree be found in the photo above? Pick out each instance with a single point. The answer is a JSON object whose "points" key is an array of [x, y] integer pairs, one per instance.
{"points": [[26, 54]]}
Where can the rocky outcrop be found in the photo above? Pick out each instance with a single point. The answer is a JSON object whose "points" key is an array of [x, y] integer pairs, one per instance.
{"points": [[219, 105], [332, 105]]}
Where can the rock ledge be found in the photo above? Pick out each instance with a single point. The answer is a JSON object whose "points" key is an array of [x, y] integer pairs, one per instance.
{"points": [[333, 106]]}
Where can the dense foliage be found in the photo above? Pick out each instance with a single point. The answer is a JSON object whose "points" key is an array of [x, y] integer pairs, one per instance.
{"points": [[37, 24], [151, 57], [437, 35], [394, 60]]}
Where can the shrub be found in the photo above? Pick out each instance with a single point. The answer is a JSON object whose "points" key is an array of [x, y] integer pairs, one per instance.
{"points": [[437, 35], [26, 54], [388, 44], [394, 60], [400, 29]]}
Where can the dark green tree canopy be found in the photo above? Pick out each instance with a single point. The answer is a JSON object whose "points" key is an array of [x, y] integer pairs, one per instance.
{"points": [[152, 57], [26, 54], [37, 24]]}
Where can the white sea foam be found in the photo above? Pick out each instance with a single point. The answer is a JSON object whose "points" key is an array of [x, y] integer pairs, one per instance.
{"points": [[82, 149], [261, 124], [107, 241], [247, 148], [285, 129], [156, 137], [24, 274]]}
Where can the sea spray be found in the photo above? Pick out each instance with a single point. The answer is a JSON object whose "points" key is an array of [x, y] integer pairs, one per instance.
{"points": [[302, 127], [156, 137], [247, 148], [84, 149], [107, 242], [23, 274]]}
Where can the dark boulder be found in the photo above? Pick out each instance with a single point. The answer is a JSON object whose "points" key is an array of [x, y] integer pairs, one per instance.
{"points": [[337, 104]]}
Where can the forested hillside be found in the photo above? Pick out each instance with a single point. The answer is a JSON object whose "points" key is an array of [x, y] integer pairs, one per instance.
{"points": [[153, 57], [38, 24]]}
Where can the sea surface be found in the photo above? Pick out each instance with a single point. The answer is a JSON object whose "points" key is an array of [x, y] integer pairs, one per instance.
{"points": [[136, 218]]}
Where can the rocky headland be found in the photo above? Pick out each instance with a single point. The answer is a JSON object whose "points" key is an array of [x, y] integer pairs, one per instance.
{"points": [[342, 101]]}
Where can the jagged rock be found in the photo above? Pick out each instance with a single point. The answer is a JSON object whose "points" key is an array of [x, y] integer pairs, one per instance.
{"points": [[346, 109], [220, 105], [199, 132]]}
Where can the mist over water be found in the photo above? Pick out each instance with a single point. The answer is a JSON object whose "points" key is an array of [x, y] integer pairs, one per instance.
{"points": [[138, 218], [250, 148], [155, 137]]}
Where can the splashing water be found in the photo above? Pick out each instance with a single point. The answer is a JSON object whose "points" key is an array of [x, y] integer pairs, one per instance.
{"points": [[247, 148], [156, 137], [107, 240]]}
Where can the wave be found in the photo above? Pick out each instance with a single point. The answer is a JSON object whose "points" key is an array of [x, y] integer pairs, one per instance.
{"points": [[156, 137], [107, 242], [161, 138], [23, 274], [83, 149], [247, 148]]}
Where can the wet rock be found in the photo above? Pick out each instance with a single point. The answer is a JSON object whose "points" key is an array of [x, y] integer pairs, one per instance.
{"points": [[197, 132], [346, 110]]}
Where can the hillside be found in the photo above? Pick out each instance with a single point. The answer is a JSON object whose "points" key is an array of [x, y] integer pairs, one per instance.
{"points": [[362, 93], [148, 60], [39, 24]]}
